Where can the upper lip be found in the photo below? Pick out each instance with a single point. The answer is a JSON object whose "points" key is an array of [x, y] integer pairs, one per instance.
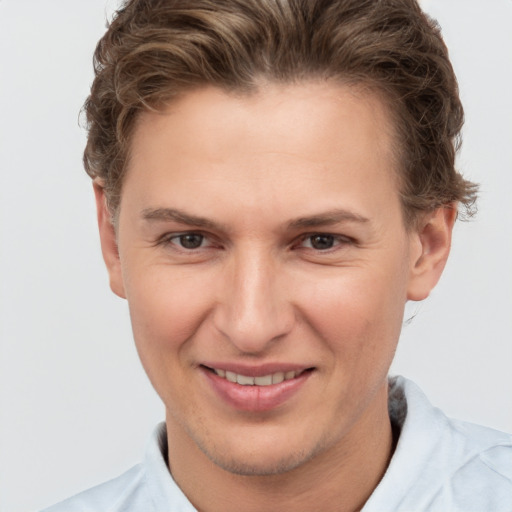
{"points": [[256, 370]]}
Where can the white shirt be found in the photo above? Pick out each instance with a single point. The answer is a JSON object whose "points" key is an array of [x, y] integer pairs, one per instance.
{"points": [[439, 465]]}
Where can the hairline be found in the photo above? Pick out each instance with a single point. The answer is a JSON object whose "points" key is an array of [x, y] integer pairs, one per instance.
{"points": [[360, 86]]}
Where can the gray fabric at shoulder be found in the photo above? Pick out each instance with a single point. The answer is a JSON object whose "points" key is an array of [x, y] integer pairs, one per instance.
{"points": [[483, 483], [147, 487], [441, 464], [499, 460], [120, 490]]}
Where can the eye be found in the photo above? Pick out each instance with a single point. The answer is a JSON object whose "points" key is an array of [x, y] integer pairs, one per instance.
{"points": [[324, 241], [188, 241], [321, 242]]}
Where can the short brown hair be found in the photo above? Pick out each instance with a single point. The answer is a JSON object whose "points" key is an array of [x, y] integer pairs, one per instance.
{"points": [[155, 50]]}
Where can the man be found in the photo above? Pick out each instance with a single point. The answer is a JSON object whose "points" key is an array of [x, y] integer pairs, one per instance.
{"points": [[274, 180]]}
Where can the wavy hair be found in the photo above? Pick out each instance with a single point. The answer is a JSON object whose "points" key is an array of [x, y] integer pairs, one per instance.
{"points": [[155, 50]]}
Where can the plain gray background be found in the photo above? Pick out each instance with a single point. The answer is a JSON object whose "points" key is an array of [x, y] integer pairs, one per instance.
{"points": [[75, 406]]}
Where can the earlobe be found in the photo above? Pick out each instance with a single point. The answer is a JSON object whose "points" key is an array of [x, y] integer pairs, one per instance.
{"points": [[432, 242], [108, 240]]}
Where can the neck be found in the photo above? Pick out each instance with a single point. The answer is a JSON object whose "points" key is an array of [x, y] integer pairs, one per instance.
{"points": [[340, 479]]}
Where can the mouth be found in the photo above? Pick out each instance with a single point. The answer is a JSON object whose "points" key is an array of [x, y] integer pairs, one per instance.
{"points": [[261, 380], [256, 389]]}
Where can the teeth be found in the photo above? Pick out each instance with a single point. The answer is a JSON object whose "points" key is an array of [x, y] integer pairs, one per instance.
{"points": [[264, 380], [277, 377], [231, 376], [244, 381]]}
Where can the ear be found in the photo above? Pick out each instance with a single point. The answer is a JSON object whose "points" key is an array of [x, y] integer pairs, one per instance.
{"points": [[108, 241], [431, 247]]}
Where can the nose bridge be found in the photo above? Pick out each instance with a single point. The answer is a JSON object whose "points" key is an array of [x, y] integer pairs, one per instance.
{"points": [[253, 309]]}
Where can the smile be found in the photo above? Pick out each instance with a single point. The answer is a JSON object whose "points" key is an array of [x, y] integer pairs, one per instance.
{"points": [[266, 387], [264, 380]]}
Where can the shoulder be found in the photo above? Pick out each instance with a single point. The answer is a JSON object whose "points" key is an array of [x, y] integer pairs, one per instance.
{"points": [[111, 496], [440, 463], [480, 477], [147, 487]]}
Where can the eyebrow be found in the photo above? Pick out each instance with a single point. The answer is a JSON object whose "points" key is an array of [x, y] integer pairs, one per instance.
{"points": [[175, 215], [328, 218]]}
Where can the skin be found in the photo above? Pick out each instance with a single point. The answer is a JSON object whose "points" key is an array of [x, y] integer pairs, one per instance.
{"points": [[265, 173]]}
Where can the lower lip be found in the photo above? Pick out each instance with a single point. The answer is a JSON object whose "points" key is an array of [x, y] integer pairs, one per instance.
{"points": [[256, 398]]}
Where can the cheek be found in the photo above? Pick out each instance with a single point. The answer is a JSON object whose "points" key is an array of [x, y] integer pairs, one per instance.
{"points": [[359, 312], [166, 309]]}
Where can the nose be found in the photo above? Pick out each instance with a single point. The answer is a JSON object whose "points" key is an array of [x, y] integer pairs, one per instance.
{"points": [[253, 310]]}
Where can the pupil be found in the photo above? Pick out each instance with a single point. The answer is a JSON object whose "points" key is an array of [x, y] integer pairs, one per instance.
{"points": [[322, 242], [191, 241]]}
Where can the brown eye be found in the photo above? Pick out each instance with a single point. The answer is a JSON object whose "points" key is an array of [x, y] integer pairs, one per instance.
{"points": [[322, 242], [191, 240]]}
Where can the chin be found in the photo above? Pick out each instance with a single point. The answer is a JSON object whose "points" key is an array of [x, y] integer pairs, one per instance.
{"points": [[256, 466], [260, 458]]}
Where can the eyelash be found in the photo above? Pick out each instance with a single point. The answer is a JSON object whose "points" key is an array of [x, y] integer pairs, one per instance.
{"points": [[338, 241], [169, 239]]}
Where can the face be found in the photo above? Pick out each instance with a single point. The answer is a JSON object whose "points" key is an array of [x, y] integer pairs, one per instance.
{"points": [[263, 254]]}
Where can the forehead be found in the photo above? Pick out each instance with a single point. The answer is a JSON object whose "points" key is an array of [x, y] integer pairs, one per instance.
{"points": [[306, 109], [281, 138]]}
